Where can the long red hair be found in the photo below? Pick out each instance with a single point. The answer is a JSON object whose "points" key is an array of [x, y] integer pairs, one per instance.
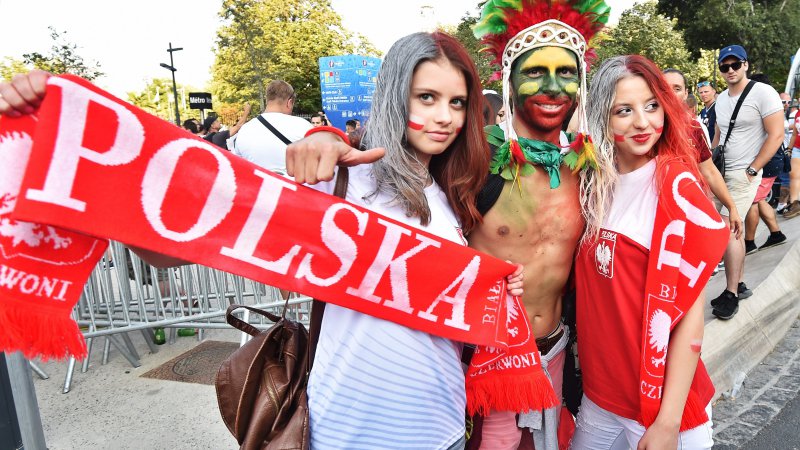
{"points": [[674, 144], [462, 170]]}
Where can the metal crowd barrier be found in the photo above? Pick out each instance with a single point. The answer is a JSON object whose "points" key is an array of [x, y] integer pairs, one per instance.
{"points": [[124, 295]]}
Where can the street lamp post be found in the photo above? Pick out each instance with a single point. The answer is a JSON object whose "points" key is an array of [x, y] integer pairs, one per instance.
{"points": [[171, 68]]}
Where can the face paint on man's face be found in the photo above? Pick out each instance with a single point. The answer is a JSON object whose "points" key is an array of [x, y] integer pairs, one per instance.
{"points": [[545, 84]]}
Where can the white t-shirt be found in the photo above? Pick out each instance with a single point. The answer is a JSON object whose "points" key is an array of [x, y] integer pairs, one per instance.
{"points": [[748, 134], [376, 384], [633, 207], [257, 144]]}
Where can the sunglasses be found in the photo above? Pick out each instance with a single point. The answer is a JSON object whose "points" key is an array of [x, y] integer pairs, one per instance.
{"points": [[786, 102], [703, 83], [734, 65]]}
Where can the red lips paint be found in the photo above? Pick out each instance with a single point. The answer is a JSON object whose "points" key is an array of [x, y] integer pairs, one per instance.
{"points": [[696, 345], [659, 129], [619, 138]]}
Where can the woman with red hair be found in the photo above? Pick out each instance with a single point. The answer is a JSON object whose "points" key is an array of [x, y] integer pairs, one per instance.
{"points": [[651, 242]]}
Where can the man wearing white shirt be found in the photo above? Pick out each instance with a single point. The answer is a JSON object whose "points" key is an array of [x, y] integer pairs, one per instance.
{"points": [[266, 147]]}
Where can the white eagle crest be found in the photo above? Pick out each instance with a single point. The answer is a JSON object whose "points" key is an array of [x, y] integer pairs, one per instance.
{"points": [[14, 152], [603, 256], [660, 324]]}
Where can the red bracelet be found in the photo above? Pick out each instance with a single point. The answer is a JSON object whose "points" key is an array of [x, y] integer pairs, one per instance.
{"points": [[333, 130]]}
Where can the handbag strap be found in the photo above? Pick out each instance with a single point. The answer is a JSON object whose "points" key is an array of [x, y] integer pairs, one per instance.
{"points": [[318, 306], [736, 110], [273, 129], [241, 325]]}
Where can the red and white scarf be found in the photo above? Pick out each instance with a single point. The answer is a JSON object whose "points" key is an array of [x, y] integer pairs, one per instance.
{"points": [[100, 167], [689, 238]]}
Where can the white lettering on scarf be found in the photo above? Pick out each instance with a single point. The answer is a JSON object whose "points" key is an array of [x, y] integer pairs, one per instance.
{"points": [[260, 215], [396, 265], [158, 176], [338, 242], [69, 149]]}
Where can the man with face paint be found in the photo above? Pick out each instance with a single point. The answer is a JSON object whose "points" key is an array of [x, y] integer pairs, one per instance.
{"points": [[531, 202]]}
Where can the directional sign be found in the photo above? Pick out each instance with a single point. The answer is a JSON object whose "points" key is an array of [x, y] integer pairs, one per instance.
{"points": [[347, 83]]}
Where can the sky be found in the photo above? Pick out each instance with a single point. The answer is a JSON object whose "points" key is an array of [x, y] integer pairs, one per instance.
{"points": [[131, 40]]}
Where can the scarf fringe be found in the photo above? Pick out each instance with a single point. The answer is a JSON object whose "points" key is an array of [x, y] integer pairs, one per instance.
{"points": [[40, 332], [694, 413], [516, 393]]}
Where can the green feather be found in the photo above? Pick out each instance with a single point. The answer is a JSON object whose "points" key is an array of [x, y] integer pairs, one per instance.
{"points": [[571, 160], [493, 17], [494, 135], [597, 7]]}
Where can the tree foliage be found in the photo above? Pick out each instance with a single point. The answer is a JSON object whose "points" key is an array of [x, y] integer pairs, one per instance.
{"points": [[63, 58], [482, 60], [10, 67], [768, 29], [643, 31], [157, 99], [263, 40]]}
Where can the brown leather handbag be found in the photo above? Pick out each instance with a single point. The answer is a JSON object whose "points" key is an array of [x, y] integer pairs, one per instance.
{"points": [[261, 387]]}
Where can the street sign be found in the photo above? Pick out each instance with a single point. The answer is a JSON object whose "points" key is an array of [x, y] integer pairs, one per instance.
{"points": [[347, 83], [200, 100]]}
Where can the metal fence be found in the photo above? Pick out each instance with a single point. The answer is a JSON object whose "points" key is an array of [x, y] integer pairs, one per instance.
{"points": [[124, 295]]}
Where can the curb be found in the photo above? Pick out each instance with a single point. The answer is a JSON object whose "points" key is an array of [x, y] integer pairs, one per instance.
{"points": [[736, 346]]}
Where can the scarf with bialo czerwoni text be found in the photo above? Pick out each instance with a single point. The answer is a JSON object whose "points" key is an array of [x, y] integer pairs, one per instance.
{"points": [[688, 240], [97, 166]]}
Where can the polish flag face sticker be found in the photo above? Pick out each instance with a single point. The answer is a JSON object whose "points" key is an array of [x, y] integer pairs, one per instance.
{"points": [[415, 122], [25, 239]]}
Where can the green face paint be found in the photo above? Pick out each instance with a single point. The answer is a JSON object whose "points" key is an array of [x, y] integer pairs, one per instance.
{"points": [[545, 82]]}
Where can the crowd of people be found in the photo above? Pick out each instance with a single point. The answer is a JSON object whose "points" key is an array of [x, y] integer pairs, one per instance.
{"points": [[580, 185]]}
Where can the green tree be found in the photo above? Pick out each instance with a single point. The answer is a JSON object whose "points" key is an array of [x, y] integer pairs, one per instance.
{"points": [[10, 67], [262, 40], [157, 99], [63, 58], [482, 59], [643, 31], [768, 29]]}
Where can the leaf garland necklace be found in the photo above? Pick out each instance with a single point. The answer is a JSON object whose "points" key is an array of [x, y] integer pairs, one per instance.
{"points": [[515, 158]]}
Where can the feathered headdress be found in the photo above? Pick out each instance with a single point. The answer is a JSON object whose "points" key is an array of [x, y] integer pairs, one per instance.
{"points": [[509, 28]]}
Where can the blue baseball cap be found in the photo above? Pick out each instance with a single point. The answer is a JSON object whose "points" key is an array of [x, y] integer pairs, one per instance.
{"points": [[736, 51]]}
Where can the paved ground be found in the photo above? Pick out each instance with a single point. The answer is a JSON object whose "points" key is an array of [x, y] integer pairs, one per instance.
{"points": [[112, 407], [760, 406]]}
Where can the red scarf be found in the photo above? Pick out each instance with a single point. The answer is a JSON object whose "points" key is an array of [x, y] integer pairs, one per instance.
{"points": [[42, 268], [502, 380], [689, 238], [106, 168]]}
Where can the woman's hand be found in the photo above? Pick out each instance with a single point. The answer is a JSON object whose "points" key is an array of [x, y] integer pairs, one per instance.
{"points": [[312, 159], [23, 94], [660, 436], [514, 281]]}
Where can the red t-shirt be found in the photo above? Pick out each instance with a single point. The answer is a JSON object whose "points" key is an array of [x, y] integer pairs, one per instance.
{"points": [[610, 282], [697, 138]]}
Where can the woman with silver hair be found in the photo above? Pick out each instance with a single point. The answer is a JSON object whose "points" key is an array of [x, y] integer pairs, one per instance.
{"points": [[651, 243], [375, 383]]}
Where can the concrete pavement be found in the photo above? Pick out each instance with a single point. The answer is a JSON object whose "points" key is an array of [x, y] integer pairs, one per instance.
{"points": [[112, 407]]}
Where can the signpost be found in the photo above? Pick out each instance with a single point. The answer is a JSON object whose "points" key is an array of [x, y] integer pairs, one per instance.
{"points": [[201, 101], [347, 83]]}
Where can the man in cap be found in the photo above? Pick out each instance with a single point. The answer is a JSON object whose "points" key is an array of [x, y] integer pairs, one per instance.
{"points": [[754, 138]]}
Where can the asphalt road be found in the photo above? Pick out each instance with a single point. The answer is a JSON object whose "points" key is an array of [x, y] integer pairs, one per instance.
{"points": [[782, 433]]}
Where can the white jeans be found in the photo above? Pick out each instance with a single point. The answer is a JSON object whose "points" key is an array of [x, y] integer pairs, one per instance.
{"points": [[598, 429]]}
